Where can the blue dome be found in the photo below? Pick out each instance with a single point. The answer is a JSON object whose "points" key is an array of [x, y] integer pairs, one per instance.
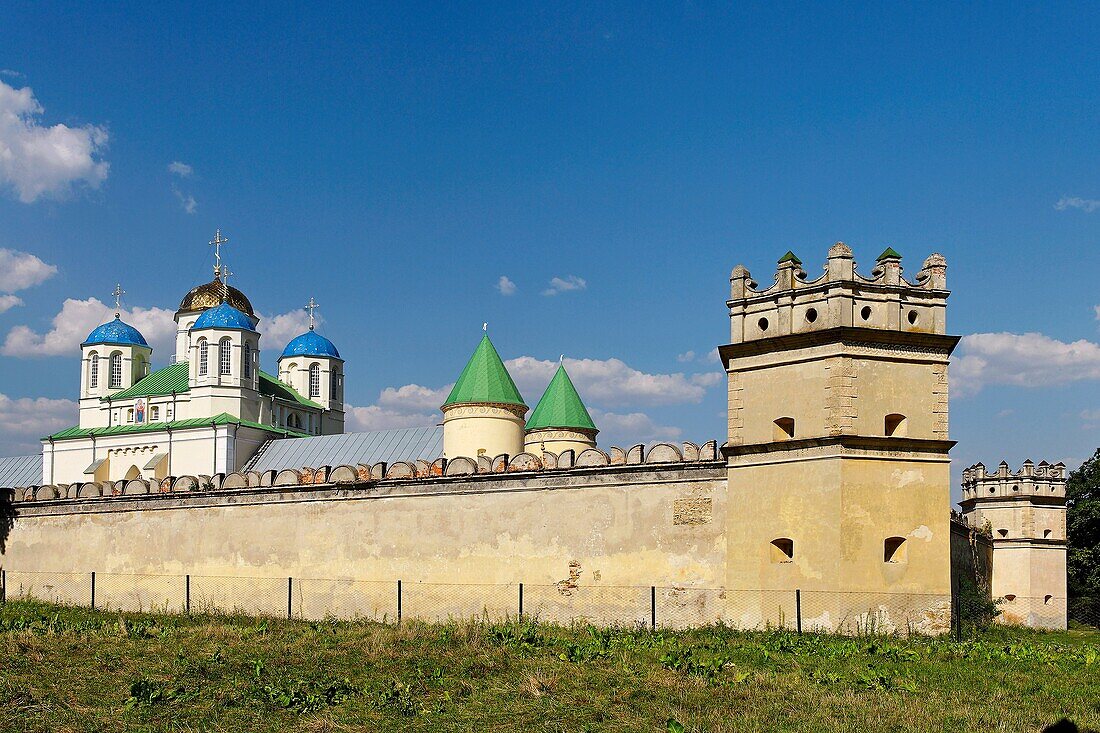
{"points": [[310, 343], [223, 315], [115, 332]]}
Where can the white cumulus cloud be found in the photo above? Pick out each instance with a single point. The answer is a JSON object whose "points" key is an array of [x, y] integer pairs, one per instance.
{"points": [[375, 417], [276, 331], [22, 270], [37, 160], [7, 302], [612, 382], [563, 285], [506, 286], [75, 321], [1076, 202], [26, 419], [1022, 360], [626, 429]]}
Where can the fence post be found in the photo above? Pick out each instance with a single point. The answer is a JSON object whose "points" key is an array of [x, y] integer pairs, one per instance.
{"points": [[521, 601], [3, 585], [652, 608], [187, 594], [290, 597], [399, 603], [93, 590], [798, 609]]}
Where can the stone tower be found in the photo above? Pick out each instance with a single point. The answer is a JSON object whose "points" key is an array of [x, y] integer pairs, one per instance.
{"points": [[1026, 513], [483, 414], [838, 445], [560, 421]]}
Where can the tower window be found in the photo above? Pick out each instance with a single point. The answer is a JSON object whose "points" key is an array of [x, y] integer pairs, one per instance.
{"points": [[225, 356], [895, 426], [784, 429], [154, 414], [1010, 597], [116, 370], [1047, 600], [893, 550], [912, 318], [865, 313], [93, 370], [1002, 532], [763, 324], [204, 357], [246, 360], [1046, 533], [782, 550], [811, 315], [130, 415], [337, 383], [314, 380]]}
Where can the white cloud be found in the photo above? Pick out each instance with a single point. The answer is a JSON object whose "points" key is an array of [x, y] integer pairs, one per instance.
{"points": [[76, 320], [506, 286], [180, 169], [414, 397], [562, 285], [11, 73], [22, 270], [187, 201], [23, 421], [38, 160], [612, 382], [1097, 309], [1022, 360], [279, 329], [373, 417], [1076, 202], [630, 428], [7, 302], [685, 357]]}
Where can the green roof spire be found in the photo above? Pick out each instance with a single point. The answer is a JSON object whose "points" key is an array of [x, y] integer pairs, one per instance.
{"points": [[888, 253], [790, 257], [485, 379], [560, 406]]}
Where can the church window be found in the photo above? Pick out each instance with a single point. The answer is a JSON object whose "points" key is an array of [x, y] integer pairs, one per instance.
{"points": [[784, 428], [895, 426], [130, 415], [154, 414], [314, 380], [225, 351], [782, 550], [204, 357], [246, 361], [93, 370], [337, 383], [116, 370], [893, 549], [293, 421]]}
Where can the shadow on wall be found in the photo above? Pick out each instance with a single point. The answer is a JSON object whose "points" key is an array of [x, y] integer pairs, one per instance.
{"points": [[7, 516]]}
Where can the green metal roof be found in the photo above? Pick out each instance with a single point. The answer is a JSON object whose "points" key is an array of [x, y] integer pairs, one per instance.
{"points": [[790, 257], [560, 406], [889, 253], [192, 423], [173, 379], [485, 379]]}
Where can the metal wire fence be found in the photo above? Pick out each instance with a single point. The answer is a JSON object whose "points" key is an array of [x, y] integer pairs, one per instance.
{"points": [[668, 607]]}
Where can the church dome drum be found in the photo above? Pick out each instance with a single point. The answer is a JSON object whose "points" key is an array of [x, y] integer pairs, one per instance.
{"points": [[311, 343], [115, 332], [212, 294]]}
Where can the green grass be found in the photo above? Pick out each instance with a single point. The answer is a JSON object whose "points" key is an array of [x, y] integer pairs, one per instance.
{"points": [[68, 669]]}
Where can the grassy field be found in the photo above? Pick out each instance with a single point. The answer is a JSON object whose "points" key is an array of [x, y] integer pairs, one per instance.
{"points": [[65, 669]]}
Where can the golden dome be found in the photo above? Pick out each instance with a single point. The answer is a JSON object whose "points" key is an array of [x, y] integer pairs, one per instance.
{"points": [[210, 294]]}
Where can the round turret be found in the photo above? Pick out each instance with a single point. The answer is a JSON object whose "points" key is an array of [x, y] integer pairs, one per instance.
{"points": [[560, 421], [483, 414]]}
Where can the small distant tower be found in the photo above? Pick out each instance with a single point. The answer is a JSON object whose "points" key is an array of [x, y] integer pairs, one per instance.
{"points": [[560, 421], [483, 414], [224, 367], [114, 357], [311, 364], [1026, 513], [837, 446]]}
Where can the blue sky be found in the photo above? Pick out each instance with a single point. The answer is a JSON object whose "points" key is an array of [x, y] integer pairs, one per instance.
{"points": [[396, 162]]}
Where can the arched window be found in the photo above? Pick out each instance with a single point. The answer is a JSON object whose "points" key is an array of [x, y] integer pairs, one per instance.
{"points": [[154, 414], [895, 426], [116, 370], [204, 357], [893, 550], [314, 380], [782, 550], [784, 428], [292, 421], [130, 415], [337, 382], [246, 360], [93, 370], [225, 352]]}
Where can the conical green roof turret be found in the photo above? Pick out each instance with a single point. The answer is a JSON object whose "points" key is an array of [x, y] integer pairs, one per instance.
{"points": [[485, 379], [560, 406]]}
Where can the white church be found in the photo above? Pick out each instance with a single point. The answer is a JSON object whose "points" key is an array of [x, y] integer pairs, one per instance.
{"points": [[209, 410]]}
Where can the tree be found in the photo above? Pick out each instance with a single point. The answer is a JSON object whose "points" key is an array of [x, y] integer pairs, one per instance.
{"points": [[1083, 530]]}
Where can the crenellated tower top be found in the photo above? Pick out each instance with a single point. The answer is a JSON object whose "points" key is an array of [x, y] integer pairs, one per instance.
{"points": [[839, 297], [1044, 482]]}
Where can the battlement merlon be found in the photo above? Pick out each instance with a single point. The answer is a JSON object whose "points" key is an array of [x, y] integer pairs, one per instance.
{"points": [[1039, 483], [839, 297]]}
